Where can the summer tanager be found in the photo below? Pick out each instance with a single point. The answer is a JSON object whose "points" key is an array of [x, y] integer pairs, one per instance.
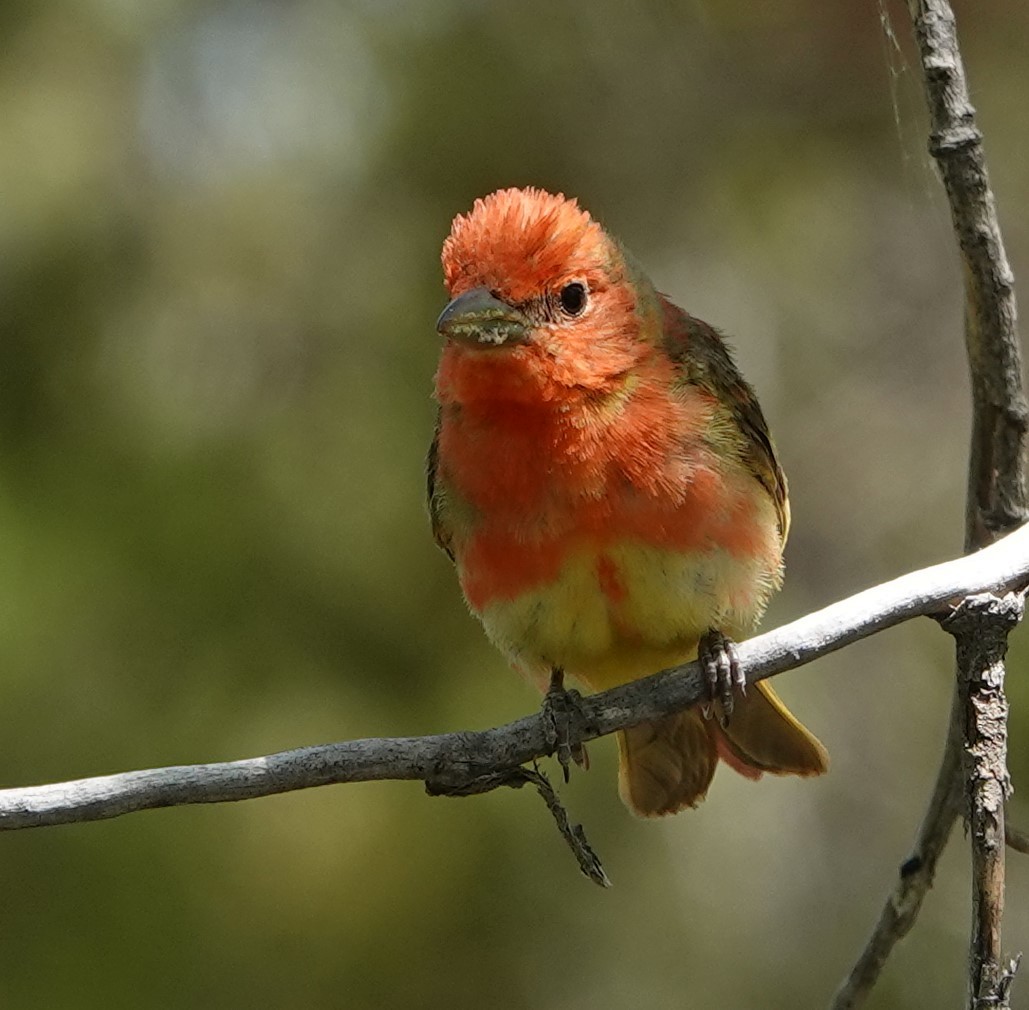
{"points": [[604, 481]]}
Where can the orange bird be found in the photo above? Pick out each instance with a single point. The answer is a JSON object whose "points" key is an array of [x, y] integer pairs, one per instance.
{"points": [[604, 481]]}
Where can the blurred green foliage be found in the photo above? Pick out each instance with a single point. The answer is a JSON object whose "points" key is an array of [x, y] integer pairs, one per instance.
{"points": [[219, 240]]}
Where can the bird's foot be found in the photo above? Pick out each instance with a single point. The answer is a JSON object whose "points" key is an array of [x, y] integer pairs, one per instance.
{"points": [[565, 720], [722, 673]]}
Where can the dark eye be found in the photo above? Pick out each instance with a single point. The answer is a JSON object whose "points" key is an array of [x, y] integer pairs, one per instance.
{"points": [[573, 298]]}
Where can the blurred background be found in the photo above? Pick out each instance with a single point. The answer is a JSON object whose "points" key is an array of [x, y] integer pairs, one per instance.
{"points": [[219, 236]]}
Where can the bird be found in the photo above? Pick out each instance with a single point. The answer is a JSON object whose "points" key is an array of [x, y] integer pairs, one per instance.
{"points": [[604, 482]]}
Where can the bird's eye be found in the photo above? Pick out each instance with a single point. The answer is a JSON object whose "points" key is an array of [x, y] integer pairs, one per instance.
{"points": [[573, 298]]}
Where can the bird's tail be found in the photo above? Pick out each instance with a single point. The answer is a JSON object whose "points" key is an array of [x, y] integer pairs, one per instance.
{"points": [[668, 764]]}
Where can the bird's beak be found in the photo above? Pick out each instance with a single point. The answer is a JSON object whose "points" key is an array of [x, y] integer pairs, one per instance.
{"points": [[480, 319]]}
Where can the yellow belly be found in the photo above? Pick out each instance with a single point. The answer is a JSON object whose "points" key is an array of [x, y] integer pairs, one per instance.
{"points": [[621, 612]]}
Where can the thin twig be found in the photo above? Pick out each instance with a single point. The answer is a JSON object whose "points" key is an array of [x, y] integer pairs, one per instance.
{"points": [[573, 834], [453, 762], [996, 499], [981, 626]]}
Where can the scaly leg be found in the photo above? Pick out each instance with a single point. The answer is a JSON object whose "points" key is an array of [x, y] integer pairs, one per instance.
{"points": [[722, 671], [562, 712]]}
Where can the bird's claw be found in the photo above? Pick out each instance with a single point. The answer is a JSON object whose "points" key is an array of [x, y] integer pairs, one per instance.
{"points": [[564, 720], [723, 674]]}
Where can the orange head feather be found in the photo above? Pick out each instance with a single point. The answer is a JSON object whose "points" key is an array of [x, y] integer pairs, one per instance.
{"points": [[515, 241], [530, 250]]}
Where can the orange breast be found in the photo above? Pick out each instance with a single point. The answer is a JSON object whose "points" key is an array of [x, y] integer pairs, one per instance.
{"points": [[629, 464]]}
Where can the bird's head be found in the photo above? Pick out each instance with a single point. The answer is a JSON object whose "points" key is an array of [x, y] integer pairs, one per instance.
{"points": [[541, 295]]}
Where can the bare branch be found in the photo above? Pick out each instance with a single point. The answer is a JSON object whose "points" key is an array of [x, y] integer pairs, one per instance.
{"points": [[981, 626], [573, 834], [453, 762], [997, 498]]}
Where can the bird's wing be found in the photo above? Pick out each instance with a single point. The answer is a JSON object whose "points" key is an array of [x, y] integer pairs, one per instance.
{"points": [[434, 491], [705, 361]]}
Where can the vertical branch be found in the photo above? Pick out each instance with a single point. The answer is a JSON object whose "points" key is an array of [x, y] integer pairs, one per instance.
{"points": [[997, 497], [981, 626]]}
